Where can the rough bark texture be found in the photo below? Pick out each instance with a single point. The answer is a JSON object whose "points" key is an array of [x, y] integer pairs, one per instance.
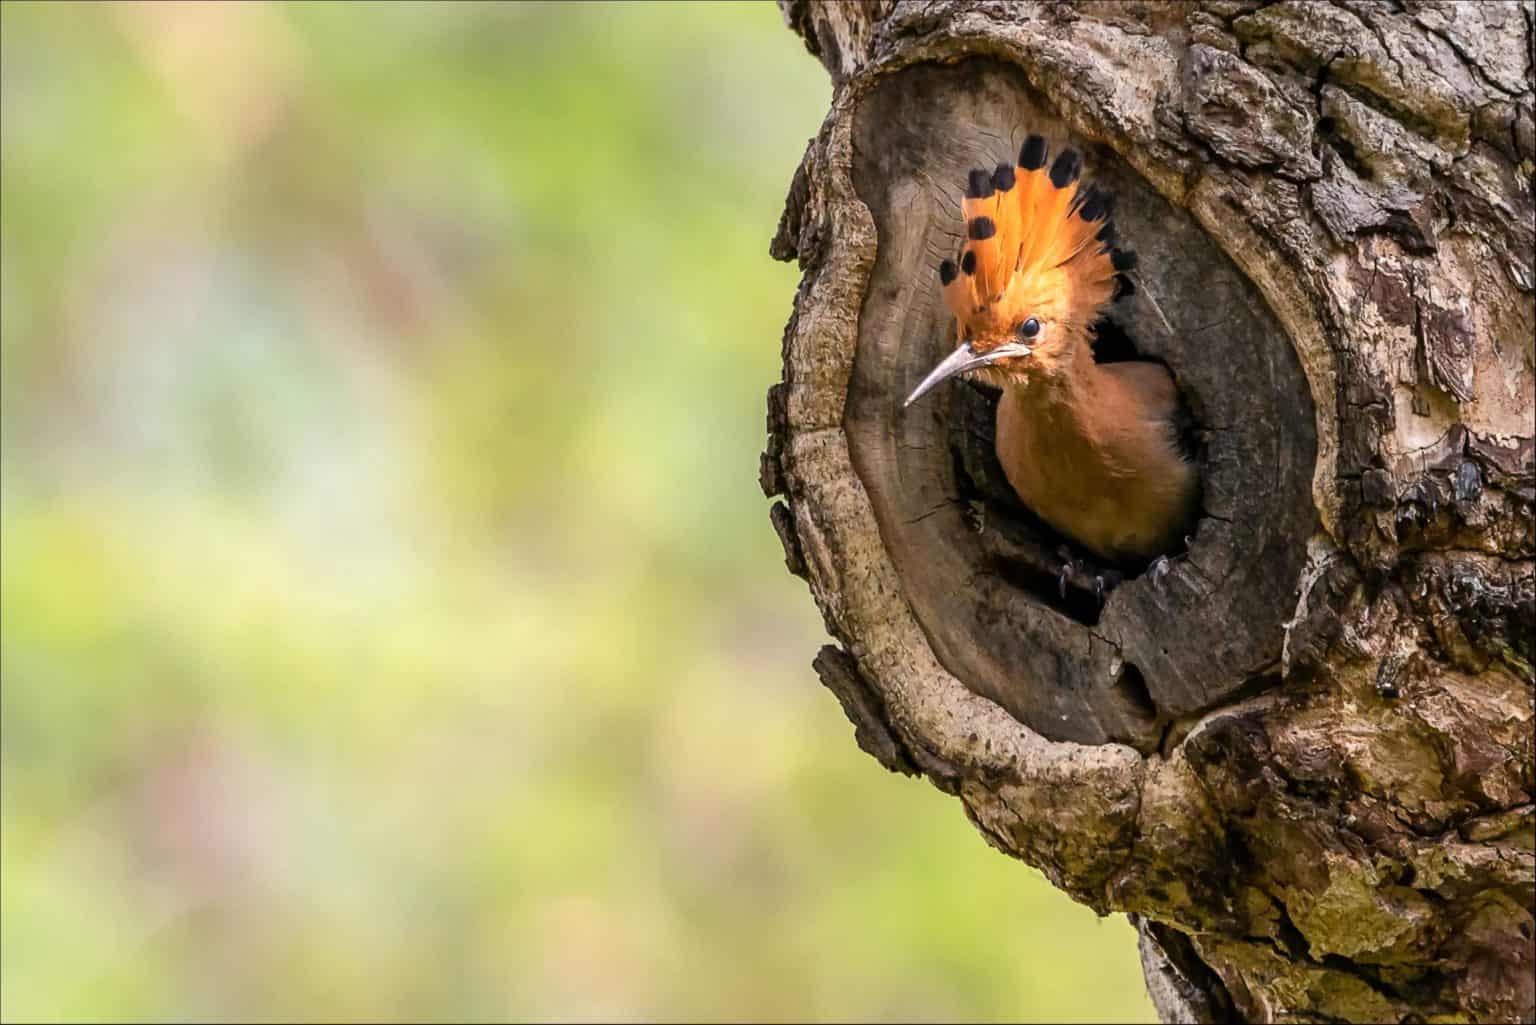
{"points": [[1303, 761]]}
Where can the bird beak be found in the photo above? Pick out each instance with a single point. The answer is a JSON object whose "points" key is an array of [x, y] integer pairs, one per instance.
{"points": [[961, 360]]}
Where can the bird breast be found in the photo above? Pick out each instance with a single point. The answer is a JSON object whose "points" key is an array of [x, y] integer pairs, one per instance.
{"points": [[1100, 463]]}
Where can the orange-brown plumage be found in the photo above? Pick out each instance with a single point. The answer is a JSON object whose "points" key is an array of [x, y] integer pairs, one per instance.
{"points": [[1091, 448]]}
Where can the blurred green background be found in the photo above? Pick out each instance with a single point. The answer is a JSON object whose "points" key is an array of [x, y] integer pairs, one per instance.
{"points": [[392, 626]]}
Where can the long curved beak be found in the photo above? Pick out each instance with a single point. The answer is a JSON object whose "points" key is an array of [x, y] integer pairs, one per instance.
{"points": [[961, 360]]}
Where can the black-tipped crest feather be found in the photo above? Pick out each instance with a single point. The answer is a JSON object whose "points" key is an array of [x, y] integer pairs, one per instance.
{"points": [[1094, 207], [979, 185], [1066, 168], [1032, 154], [1037, 240]]}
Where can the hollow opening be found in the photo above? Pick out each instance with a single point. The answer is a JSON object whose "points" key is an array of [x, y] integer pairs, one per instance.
{"points": [[981, 573]]}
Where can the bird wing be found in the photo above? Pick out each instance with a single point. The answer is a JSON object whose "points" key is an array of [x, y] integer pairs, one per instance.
{"points": [[1151, 387], [1150, 383]]}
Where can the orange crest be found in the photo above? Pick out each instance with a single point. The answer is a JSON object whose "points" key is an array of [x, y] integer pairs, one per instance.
{"points": [[1037, 246]]}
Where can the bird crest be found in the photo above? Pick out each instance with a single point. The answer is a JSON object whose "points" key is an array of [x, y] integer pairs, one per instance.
{"points": [[1039, 244]]}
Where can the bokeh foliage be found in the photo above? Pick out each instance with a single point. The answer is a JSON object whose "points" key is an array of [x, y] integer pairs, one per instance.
{"points": [[392, 628]]}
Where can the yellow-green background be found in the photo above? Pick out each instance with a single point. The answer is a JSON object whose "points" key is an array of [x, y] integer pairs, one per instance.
{"points": [[392, 626]]}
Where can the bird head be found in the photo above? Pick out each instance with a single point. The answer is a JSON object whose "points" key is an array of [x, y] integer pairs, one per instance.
{"points": [[1037, 268]]}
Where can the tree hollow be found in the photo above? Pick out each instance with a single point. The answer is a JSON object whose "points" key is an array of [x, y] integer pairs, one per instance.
{"points": [[978, 570]]}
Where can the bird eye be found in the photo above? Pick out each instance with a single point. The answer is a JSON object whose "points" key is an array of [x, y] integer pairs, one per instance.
{"points": [[1029, 328]]}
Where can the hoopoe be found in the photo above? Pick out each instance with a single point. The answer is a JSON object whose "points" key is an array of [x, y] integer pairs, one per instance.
{"points": [[1093, 449]]}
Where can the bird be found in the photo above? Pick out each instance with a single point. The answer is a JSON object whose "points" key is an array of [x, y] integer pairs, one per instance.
{"points": [[1093, 449]]}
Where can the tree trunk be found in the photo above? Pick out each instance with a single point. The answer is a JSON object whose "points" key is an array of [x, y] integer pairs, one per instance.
{"points": [[1303, 759]]}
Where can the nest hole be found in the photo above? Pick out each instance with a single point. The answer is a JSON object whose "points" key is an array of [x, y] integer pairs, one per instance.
{"points": [[981, 573]]}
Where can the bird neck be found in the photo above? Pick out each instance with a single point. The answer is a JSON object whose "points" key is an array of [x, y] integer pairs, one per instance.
{"points": [[1065, 393]]}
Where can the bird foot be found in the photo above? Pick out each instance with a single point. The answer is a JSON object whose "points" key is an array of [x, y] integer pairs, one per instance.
{"points": [[1105, 582], [1158, 570], [1079, 573], [1068, 569]]}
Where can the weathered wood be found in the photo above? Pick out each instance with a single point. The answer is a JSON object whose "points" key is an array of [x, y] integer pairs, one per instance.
{"points": [[1304, 758]]}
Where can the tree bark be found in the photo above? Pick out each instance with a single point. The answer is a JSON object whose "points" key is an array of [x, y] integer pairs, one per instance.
{"points": [[1303, 760]]}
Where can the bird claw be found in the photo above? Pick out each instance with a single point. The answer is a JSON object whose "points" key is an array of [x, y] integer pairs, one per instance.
{"points": [[978, 511], [1069, 566], [1106, 581]]}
